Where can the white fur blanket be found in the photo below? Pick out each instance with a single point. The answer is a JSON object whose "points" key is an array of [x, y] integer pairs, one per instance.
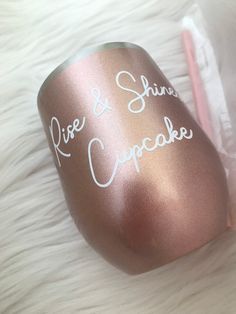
{"points": [[45, 264]]}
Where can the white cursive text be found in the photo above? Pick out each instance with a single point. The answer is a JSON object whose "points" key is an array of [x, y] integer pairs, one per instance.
{"points": [[137, 104], [136, 151]]}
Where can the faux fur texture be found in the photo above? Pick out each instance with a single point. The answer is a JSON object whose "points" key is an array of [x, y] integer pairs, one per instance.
{"points": [[45, 264]]}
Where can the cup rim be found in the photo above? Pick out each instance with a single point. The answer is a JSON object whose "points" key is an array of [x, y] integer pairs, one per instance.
{"points": [[83, 53]]}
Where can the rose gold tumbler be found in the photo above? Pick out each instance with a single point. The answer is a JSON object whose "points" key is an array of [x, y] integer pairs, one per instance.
{"points": [[143, 182]]}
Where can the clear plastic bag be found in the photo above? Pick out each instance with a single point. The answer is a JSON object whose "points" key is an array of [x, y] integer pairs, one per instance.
{"points": [[210, 105]]}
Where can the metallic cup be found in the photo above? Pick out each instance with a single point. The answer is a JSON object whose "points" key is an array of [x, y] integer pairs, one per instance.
{"points": [[143, 182]]}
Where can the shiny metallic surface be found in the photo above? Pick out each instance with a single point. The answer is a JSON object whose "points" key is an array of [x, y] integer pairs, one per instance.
{"points": [[85, 53], [143, 182]]}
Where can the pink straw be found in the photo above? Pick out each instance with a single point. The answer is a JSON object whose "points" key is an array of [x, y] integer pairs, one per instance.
{"points": [[199, 94]]}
